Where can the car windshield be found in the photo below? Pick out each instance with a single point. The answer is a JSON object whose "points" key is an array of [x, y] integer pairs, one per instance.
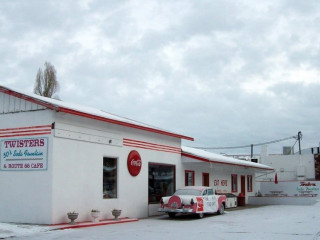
{"points": [[192, 192]]}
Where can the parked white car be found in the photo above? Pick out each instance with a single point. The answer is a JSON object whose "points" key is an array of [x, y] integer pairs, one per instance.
{"points": [[193, 200]]}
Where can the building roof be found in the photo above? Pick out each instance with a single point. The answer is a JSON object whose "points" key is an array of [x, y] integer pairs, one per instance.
{"points": [[205, 156], [88, 112]]}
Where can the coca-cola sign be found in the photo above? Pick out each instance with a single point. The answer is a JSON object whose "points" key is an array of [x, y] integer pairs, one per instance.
{"points": [[134, 163]]}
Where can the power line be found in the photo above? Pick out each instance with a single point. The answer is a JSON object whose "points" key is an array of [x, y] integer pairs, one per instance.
{"points": [[250, 145]]}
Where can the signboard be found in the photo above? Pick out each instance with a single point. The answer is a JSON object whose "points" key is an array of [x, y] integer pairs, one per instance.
{"points": [[291, 189], [24, 154], [134, 163]]}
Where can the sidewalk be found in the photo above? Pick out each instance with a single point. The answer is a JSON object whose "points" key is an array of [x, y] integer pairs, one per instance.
{"points": [[8, 230]]}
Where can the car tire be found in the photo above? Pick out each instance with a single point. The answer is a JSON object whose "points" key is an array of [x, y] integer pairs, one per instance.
{"points": [[200, 215], [172, 214], [221, 210]]}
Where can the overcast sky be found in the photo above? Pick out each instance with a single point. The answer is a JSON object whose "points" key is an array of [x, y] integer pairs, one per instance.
{"points": [[227, 73]]}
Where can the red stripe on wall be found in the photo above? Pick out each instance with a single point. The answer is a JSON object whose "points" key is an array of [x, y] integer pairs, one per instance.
{"points": [[150, 146], [25, 131], [23, 128], [88, 115]]}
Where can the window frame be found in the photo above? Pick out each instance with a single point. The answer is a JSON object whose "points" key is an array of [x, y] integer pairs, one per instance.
{"points": [[173, 181], [234, 177], [186, 177], [116, 175], [249, 183]]}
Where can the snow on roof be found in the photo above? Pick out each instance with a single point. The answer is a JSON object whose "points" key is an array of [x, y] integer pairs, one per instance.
{"points": [[206, 156], [85, 111]]}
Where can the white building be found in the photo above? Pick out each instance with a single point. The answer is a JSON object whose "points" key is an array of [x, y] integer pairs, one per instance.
{"points": [[294, 181], [57, 157]]}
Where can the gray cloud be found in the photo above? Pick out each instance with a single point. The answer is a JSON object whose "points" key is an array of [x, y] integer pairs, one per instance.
{"points": [[226, 73]]}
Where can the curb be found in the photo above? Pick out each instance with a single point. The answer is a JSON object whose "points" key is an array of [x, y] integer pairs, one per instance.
{"points": [[92, 224]]}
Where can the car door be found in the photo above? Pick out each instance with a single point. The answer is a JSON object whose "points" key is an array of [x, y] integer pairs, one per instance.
{"points": [[212, 201], [208, 200]]}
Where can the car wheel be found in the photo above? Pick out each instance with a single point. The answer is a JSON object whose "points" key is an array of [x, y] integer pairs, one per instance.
{"points": [[172, 214], [221, 210], [200, 215]]}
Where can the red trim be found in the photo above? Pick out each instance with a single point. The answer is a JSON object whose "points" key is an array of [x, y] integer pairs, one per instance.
{"points": [[27, 98], [207, 160], [25, 131], [236, 182], [186, 179], [126, 124], [23, 128], [26, 135], [91, 116], [152, 146], [64, 226]]}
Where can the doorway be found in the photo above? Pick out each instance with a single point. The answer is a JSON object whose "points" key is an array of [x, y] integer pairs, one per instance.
{"points": [[243, 185], [205, 179]]}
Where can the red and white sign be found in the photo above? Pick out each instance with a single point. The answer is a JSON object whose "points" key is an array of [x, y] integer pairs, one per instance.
{"points": [[134, 163], [200, 204]]}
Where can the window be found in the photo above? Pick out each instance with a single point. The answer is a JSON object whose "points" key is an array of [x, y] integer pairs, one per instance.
{"points": [[109, 178], [249, 183], [189, 192], [210, 191], [161, 181], [234, 183], [189, 178]]}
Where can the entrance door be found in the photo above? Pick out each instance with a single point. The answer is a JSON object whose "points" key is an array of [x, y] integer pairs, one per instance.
{"points": [[243, 185], [205, 179]]}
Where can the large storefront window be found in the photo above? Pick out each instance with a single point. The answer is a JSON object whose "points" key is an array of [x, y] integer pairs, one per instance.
{"points": [[109, 178], [161, 181]]}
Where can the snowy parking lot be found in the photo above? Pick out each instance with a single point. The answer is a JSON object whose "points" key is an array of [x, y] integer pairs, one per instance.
{"points": [[267, 222]]}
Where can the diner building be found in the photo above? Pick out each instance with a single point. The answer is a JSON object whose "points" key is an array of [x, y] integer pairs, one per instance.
{"points": [[57, 157]]}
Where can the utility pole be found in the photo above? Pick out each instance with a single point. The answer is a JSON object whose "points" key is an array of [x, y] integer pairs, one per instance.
{"points": [[299, 139], [251, 151]]}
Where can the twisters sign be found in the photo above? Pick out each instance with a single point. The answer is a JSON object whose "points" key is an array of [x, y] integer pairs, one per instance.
{"points": [[24, 154]]}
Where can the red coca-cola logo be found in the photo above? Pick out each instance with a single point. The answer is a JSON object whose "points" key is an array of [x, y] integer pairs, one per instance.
{"points": [[134, 163], [200, 204]]}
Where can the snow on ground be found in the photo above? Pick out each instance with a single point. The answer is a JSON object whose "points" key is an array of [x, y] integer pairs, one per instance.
{"points": [[268, 222], [10, 230]]}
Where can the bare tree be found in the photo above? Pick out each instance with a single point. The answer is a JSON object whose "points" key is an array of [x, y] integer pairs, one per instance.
{"points": [[46, 81]]}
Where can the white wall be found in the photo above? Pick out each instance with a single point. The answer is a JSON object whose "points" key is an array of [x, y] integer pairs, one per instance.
{"points": [[291, 189], [286, 166], [25, 196], [220, 175], [77, 181]]}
